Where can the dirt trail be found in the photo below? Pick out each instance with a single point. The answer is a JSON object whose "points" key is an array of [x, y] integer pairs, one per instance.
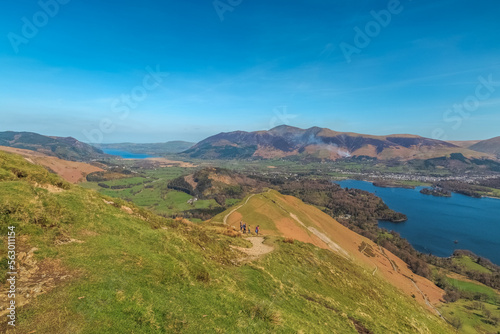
{"points": [[332, 245], [238, 207], [257, 250], [427, 300], [395, 268]]}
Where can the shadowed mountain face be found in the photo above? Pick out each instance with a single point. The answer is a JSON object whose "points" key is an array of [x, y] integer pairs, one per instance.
{"points": [[491, 146], [322, 143], [64, 148]]}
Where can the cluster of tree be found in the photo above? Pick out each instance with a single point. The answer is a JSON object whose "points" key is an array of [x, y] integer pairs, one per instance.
{"points": [[436, 192], [461, 188], [468, 189], [203, 214], [122, 186], [491, 183], [364, 207], [180, 184], [110, 174]]}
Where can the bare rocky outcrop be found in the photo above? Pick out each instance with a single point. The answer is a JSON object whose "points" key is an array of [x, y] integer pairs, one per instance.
{"points": [[33, 278]]}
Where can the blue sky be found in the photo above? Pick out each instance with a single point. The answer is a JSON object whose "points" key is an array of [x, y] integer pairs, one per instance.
{"points": [[265, 64]]}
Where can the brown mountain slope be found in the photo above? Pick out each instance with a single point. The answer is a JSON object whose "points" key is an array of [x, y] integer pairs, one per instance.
{"points": [[321, 143], [289, 217], [491, 146], [463, 143], [70, 171], [67, 148]]}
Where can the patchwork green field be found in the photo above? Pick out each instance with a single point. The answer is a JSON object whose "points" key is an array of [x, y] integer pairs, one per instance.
{"points": [[469, 264], [479, 291], [149, 190]]}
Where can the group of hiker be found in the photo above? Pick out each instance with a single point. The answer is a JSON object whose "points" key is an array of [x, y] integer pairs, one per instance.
{"points": [[244, 228]]}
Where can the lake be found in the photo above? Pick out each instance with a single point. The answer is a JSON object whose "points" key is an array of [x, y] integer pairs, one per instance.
{"points": [[127, 155], [434, 223]]}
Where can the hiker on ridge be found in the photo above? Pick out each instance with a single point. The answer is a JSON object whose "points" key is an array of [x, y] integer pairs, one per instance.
{"points": [[244, 228], [241, 226], [249, 230], [257, 230]]}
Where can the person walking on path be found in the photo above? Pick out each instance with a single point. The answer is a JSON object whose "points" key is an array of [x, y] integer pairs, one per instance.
{"points": [[249, 230], [241, 226], [257, 230], [244, 228]]}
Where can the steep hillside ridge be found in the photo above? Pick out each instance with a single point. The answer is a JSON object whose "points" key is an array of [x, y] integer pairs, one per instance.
{"points": [[92, 264], [70, 171], [321, 143], [491, 146], [66, 148], [289, 217]]}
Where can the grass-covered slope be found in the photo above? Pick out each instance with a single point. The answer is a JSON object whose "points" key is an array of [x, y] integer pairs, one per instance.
{"points": [[90, 264]]}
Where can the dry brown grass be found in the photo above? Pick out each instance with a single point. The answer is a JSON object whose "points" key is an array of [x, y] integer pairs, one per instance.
{"points": [[231, 233]]}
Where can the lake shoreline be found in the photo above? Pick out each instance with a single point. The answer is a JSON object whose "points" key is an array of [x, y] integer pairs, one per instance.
{"points": [[391, 184], [435, 223]]}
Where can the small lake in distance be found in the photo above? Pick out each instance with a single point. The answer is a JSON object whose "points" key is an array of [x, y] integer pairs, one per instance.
{"points": [[434, 223], [127, 155]]}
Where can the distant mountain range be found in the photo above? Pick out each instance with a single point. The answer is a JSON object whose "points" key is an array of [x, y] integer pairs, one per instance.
{"points": [[280, 142], [151, 149], [67, 148], [321, 143]]}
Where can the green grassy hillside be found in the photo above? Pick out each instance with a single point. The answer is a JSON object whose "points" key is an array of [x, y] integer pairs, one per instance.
{"points": [[106, 266]]}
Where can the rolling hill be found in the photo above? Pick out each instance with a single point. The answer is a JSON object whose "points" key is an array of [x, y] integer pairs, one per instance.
{"points": [[217, 183], [321, 143], [64, 148], [92, 264], [491, 146]]}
